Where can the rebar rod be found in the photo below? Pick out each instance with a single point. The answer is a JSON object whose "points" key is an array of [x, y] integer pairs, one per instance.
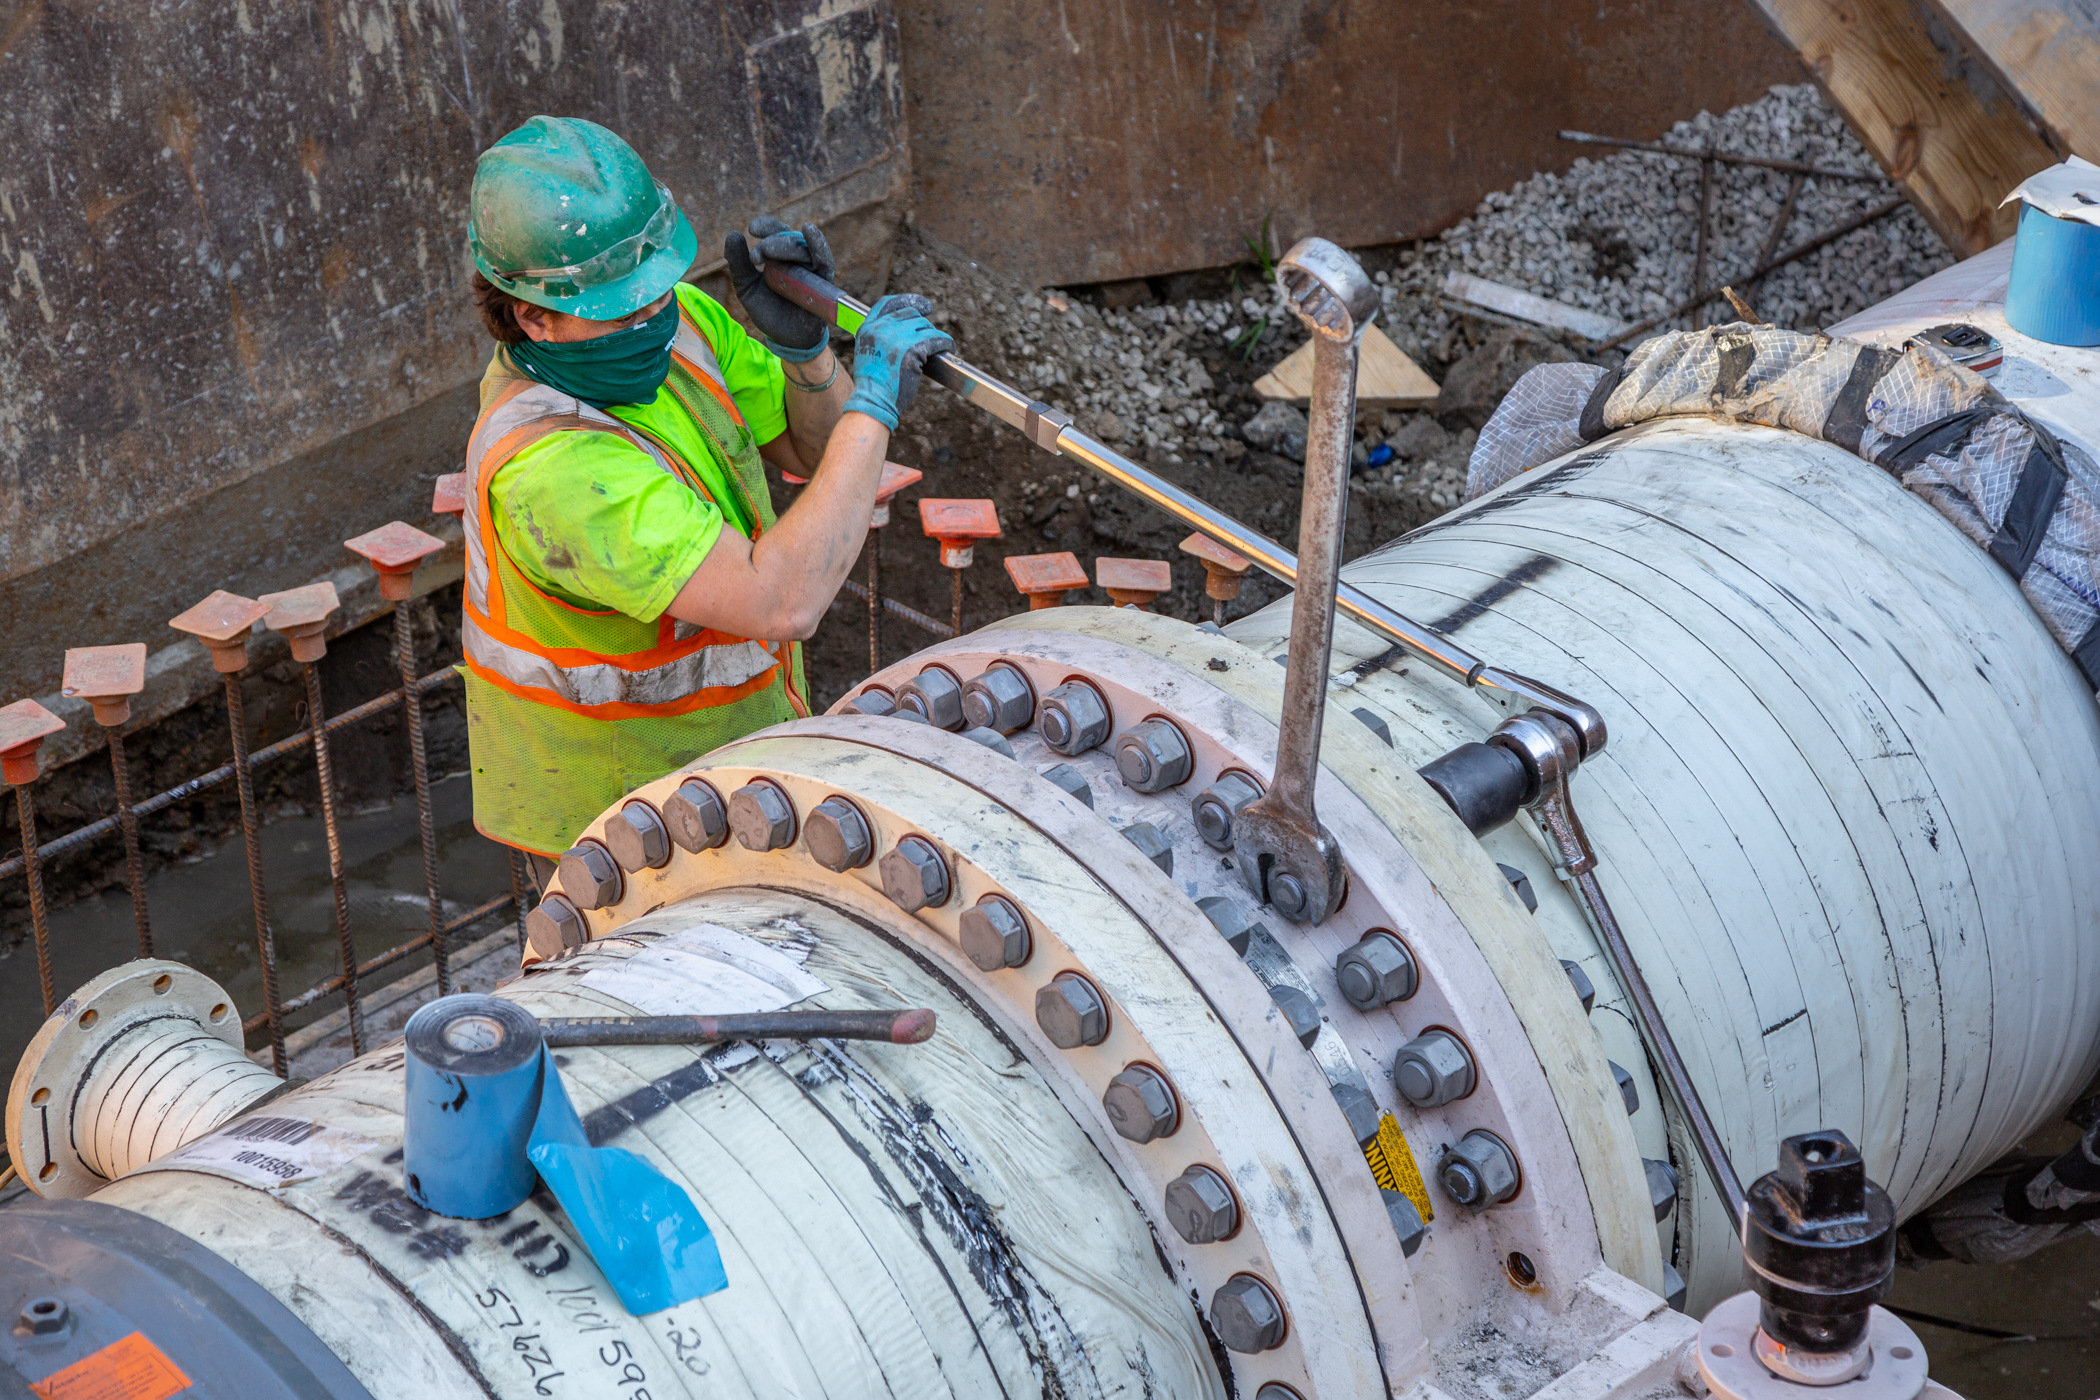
{"points": [[324, 766], [910, 614], [518, 889], [128, 822], [419, 768], [874, 609], [1777, 232], [1798, 251], [958, 573], [102, 826], [39, 921], [251, 841], [388, 958], [1584, 138]]}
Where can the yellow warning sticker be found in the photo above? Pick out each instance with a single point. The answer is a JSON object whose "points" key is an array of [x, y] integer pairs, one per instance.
{"points": [[131, 1368], [1393, 1164]]}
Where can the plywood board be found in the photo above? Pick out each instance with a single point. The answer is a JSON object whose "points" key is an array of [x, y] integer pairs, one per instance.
{"points": [[1385, 378]]}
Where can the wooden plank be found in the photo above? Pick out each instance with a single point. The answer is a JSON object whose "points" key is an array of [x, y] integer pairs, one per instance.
{"points": [[1525, 306], [1954, 152], [2048, 55], [1385, 378]]}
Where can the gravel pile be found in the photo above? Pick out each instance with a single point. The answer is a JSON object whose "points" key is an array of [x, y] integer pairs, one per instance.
{"points": [[1615, 235]]}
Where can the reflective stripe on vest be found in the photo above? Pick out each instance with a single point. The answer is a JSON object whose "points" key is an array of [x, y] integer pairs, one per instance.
{"points": [[688, 668]]}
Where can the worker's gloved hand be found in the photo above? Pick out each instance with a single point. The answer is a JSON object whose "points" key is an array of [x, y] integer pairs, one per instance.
{"points": [[890, 354], [786, 329]]}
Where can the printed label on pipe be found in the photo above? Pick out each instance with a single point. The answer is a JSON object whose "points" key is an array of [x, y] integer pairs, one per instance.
{"points": [[270, 1151]]}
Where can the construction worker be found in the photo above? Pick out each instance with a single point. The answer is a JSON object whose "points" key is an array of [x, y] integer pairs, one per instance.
{"points": [[631, 601]]}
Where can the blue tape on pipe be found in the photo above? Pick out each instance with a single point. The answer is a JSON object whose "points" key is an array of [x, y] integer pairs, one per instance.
{"points": [[487, 1113], [2054, 292]]}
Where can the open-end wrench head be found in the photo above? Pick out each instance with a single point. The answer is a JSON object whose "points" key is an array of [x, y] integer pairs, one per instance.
{"points": [[1288, 863], [1327, 289]]}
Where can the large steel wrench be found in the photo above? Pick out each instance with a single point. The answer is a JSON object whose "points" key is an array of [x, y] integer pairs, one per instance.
{"points": [[1284, 855]]}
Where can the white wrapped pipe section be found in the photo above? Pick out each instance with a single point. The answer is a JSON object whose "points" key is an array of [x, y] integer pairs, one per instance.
{"points": [[919, 1221], [1849, 804], [162, 1084]]}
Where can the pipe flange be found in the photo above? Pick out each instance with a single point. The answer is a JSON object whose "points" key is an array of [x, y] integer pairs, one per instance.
{"points": [[48, 1083], [1735, 1357]]}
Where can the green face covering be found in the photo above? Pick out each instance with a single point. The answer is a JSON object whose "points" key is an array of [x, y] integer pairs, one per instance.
{"points": [[624, 367]]}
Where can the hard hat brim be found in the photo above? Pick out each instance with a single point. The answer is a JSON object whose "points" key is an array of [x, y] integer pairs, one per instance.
{"points": [[622, 296]]}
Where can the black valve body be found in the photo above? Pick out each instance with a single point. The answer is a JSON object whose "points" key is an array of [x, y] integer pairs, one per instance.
{"points": [[1821, 1244]]}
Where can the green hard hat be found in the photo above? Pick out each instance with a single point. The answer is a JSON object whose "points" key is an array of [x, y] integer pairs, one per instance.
{"points": [[565, 215]]}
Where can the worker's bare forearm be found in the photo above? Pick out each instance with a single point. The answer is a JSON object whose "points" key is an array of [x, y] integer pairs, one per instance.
{"points": [[778, 588], [813, 417]]}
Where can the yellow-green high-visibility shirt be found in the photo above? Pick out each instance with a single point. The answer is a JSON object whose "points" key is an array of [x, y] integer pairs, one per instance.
{"points": [[593, 520]]}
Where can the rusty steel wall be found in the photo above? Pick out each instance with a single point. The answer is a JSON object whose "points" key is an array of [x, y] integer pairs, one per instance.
{"points": [[1096, 140], [236, 327]]}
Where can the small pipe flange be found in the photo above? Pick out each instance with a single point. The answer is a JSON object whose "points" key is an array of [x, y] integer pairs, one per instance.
{"points": [[1736, 1359]]}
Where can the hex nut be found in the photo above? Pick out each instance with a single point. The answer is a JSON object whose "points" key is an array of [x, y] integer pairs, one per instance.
{"points": [[1073, 781], [1628, 1090], [1200, 1206], [837, 835], [936, 696], [1520, 884], [638, 838], [1140, 1104], [1071, 1012], [761, 816], [1072, 718], [554, 927], [1216, 806], [697, 817], [911, 716], [1229, 920], [914, 876], [1662, 1186], [588, 875], [1376, 972], [994, 935], [1246, 1315], [1154, 846], [1407, 1221], [1300, 1012], [1479, 1172], [990, 738], [1585, 990], [872, 702], [1433, 1069], [1360, 1109], [1153, 756], [1000, 698], [43, 1316]]}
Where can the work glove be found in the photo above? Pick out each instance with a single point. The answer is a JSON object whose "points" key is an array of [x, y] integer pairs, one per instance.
{"points": [[793, 334], [890, 354]]}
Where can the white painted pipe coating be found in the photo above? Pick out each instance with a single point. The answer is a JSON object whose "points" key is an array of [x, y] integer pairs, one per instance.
{"points": [[1850, 805]]}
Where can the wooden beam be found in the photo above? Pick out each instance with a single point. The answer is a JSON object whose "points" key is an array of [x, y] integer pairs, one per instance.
{"points": [[1928, 113], [2048, 55], [1385, 377]]}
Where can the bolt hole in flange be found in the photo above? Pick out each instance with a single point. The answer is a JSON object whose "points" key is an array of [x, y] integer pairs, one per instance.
{"points": [[1522, 1272], [162, 984], [89, 1017]]}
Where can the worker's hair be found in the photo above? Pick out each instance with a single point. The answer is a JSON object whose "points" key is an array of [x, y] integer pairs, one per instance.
{"points": [[497, 307]]}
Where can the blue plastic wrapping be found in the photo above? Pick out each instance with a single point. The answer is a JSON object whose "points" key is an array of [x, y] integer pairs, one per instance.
{"points": [[487, 1114], [2054, 294]]}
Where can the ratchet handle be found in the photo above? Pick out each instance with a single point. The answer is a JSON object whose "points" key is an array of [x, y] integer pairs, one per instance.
{"points": [[816, 296]]}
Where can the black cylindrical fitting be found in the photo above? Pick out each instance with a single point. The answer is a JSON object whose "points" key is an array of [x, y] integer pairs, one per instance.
{"points": [[1485, 784], [1821, 1243]]}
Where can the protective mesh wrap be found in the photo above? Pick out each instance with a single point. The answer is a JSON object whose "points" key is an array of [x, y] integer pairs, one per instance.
{"points": [[1942, 430]]}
